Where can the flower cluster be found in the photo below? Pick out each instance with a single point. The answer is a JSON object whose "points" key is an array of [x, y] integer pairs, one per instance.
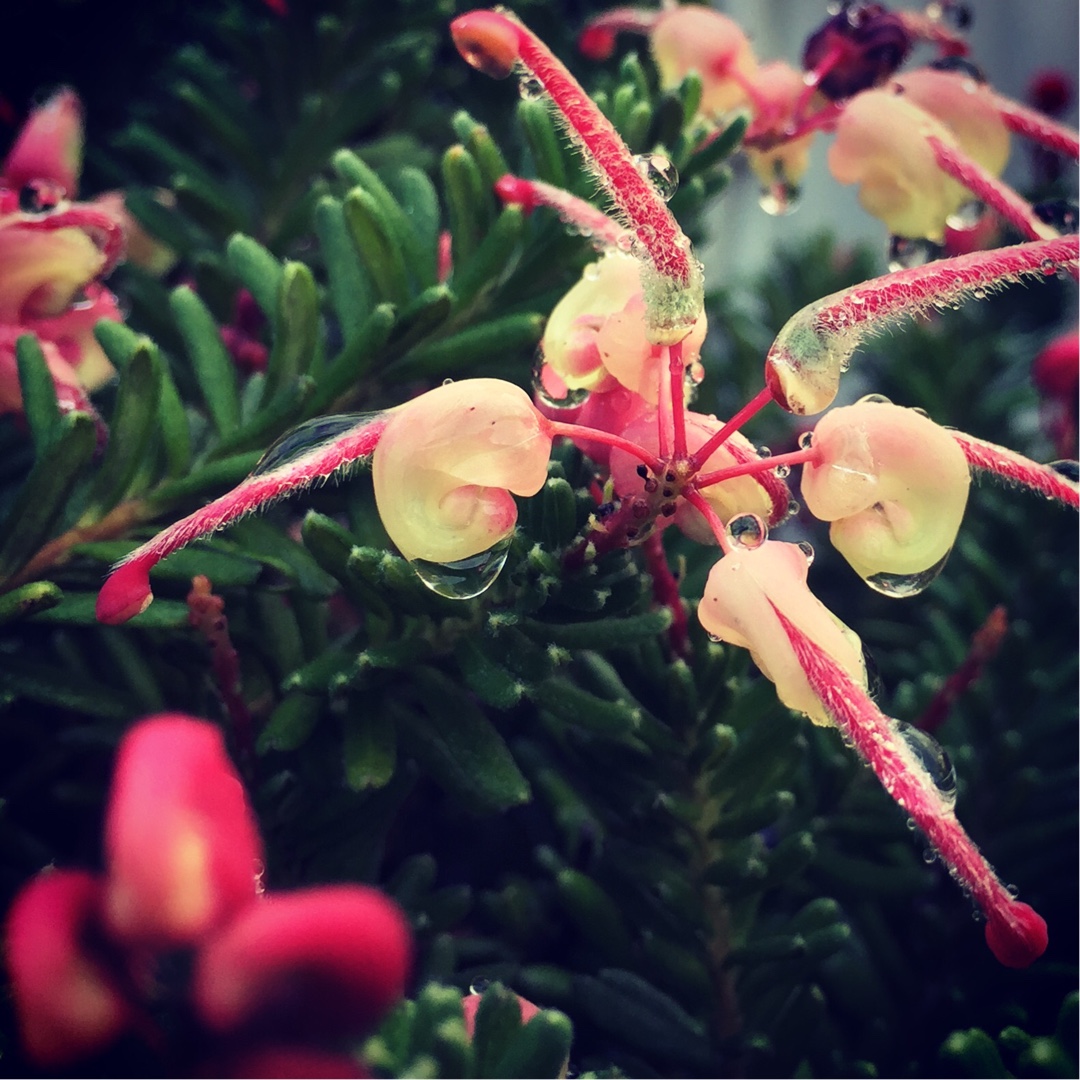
{"points": [[620, 363], [54, 253], [274, 984]]}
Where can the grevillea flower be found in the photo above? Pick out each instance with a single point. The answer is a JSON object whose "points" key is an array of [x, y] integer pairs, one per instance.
{"points": [[291, 977]]}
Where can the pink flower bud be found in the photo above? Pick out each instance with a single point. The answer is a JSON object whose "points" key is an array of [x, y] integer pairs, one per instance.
{"points": [[447, 462], [66, 1004], [49, 146], [894, 485], [324, 963], [182, 849], [778, 88], [692, 38], [881, 145], [745, 590]]}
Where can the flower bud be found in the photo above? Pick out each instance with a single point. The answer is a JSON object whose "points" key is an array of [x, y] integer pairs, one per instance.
{"points": [[745, 590], [49, 146], [894, 485], [447, 462]]}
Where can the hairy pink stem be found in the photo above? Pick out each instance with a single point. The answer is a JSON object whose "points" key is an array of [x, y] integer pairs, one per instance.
{"points": [[761, 465], [719, 529], [1016, 469], [1015, 933], [924, 28], [575, 212], [597, 40], [580, 431], [494, 43], [677, 377], [1040, 129], [127, 590], [714, 442], [992, 191]]}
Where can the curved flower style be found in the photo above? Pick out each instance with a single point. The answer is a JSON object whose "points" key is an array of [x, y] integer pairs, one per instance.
{"points": [[893, 483], [318, 967]]}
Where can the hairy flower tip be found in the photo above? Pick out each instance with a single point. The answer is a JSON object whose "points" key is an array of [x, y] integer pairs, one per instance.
{"points": [[66, 1004], [125, 594], [894, 485], [182, 848], [1016, 935], [598, 334], [320, 964], [966, 106], [856, 49], [743, 594], [881, 145], [447, 462], [49, 146], [691, 38], [487, 41]]}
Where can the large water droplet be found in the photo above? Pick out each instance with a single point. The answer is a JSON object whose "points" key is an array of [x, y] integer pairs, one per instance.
{"points": [[552, 391], [307, 436], [660, 172], [808, 551], [465, 578], [748, 531], [806, 440], [530, 88], [903, 585], [906, 252], [932, 758], [967, 216], [874, 399], [1070, 470], [780, 198], [479, 986]]}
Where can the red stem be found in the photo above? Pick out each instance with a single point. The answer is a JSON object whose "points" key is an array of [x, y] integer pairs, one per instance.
{"points": [[1017, 469], [677, 377], [714, 442], [996, 194], [1014, 932], [579, 431], [1040, 129], [666, 592], [796, 457], [719, 529]]}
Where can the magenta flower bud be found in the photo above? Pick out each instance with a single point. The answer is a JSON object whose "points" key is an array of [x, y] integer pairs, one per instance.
{"points": [[49, 146], [856, 49]]}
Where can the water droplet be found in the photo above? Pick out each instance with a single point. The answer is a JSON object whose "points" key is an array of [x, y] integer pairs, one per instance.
{"points": [[660, 172], [806, 440], [465, 578], [696, 371], [764, 451], [1013, 890], [874, 399], [780, 198], [808, 550], [929, 856], [448, 382], [1061, 214], [967, 216], [625, 241], [1066, 468], [910, 823], [906, 252], [479, 986], [903, 585], [308, 436], [552, 391], [1048, 267], [794, 509], [875, 687], [932, 758], [979, 294], [919, 411], [748, 531], [531, 88], [716, 638], [782, 471]]}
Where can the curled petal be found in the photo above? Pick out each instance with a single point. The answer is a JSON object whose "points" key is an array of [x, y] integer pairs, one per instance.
{"points": [[746, 590], [182, 849], [892, 482], [49, 146], [324, 963], [66, 1004], [447, 462]]}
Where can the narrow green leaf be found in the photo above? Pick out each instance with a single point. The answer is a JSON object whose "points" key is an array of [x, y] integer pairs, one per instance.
{"points": [[722, 146], [175, 432], [213, 367], [296, 332], [40, 504], [485, 675], [291, 723], [602, 632], [38, 683], [376, 244], [498, 1025], [77, 609], [355, 359], [133, 425], [544, 141], [38, 393], [118, 340], [495, 341], [207, 204], [28, 600], [257, 269], [493, 259], [369, 749], [351, 291], [469, 206]]}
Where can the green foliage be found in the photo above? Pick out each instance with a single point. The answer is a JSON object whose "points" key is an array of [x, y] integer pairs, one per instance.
{"points": [[703, 883]]}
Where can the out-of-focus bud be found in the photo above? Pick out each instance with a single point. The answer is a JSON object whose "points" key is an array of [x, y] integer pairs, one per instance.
{"points": [[49, 146], [859, 47]]}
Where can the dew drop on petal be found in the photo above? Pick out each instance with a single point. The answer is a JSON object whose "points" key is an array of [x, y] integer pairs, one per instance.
{"points": [[531, 88], [308, 436], [660, 172], [806, 440], [904, 585], [780, 198], [464, 578], [748, 531], [967, 216], [906, 252], [930, 755], [874, 399], [552, 391], [1070, 470], [808, 550], [479, 986]]}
